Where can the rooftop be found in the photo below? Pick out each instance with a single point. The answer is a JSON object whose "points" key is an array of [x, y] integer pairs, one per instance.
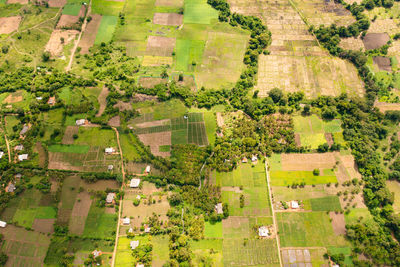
{"points": [[135, 183]]}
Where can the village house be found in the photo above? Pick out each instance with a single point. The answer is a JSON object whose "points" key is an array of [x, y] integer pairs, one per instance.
{"points": [[294, 204], [134, 244], [1, 154], [110, 167], [134, 183], [39, 98], [3, 224], [80, 122], [10, 188], [147, 170], [219, 209], [139, 265], [96, 253], [19, 147], [52, 101], [126, 221], [254, 158], [147, 229], [110, 198], [244, 160], [109, 150], [22, 157], [263, 231], [24, 129]]}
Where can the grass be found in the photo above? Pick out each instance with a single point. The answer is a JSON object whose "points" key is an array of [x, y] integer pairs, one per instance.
{"points": [[169, 109], [106, 29], [11, 121], [213, 230], [81, 149], [99, 224], [202, 252], [165, 148], [240, 176], [210, 121], [95, 136], [199, 12], [107, 8], [256, 202], [307, 229], [71, 9], [330, 203], [187, 52], [129, 147], [160, 249], [179, 137], [286, 178], [394, 186], [359, 214], [275, 163], [8, 10]]}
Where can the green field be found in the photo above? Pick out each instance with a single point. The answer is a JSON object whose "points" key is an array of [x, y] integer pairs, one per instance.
{"points": [[241, 176], [286, 178], [187, 52], [358, 214], [95, 136], [394, 186], [106, 29], [83, 149], [213, 230], [107, 8], [72, 9], [307, 229], [207, 250], [100, 224], [330, 203], [199, 12]]}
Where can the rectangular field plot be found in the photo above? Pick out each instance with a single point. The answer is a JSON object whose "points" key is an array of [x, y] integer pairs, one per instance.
{"points": [[106, 29], [187, 52], [304, 257], [285, 178], [307, 229], [244, 175], [330, 203], [211, 249], [256, 202], [199, 12], [197, 134], [259, 252], [313, 75]]}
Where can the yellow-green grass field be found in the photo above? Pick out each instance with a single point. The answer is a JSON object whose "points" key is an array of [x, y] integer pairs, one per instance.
{"points": [[244, 175], [286, 178], [394, 186], [209, 251]]}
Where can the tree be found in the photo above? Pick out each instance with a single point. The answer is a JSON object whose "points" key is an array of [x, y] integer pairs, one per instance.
{"points": [[3, 258], [316, 172], [46, 56], [276, 94]]}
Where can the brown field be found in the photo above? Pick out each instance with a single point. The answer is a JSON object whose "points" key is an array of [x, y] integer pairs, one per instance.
{"points": [[56, 162], [383, 107], [44, 225], [79, 213], [143, 97], [19, 241], [153, 123], [235, 222], [172, 19], [115, 121], [100, 185], [329, 138], [22, 2], [150, 82], [383, 63], [175, 3], [123, 105], [295, 162], [188, 81], [55, 46], [352, 44], [67, 21], [384, 26], [350, 165], [42, 154], [57, 3], [297, 139], [102, 98], [338, 223], [69, 132], [154, 140], [89, 36], [160, 46], [375, 40], [9, 24], [13, 98]]}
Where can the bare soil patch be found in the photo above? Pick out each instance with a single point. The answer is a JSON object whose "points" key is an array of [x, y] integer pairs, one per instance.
{"points": [[150, 82], [188, 81], [352, 44], [172, 19], [176, 3], [297, 139], [89, 36], [67, 21], [57, 3], [153, 123], [13, 98], [383, 63], [100, 185], [55, 45], [338, 223], [375, 40], [102, 98], [351, 166], [68, 138], [383, 107], [22, 2], [79, 213], [160, 46], [115, 121], [329, 138], [235, 222], [123, 105], [155, 140], [307, 162], [220, 119], [44, 225], [143, 97]]}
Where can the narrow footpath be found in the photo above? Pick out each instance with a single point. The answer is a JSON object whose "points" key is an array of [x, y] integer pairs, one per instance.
{"points": [[273, 212], [120, 200]]}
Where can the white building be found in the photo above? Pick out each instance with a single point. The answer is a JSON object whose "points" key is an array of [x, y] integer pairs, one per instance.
{"points": [[126, 221], [134, 183], [1, 154], [39, 98], [22, 157], [110, 198], [110, 167], [254, 158], [24, 129], [263, 231], [147, 169], [19, 147], [3, 224], [80, 122], [218, 208], [294, 204], [109, 150], [134, 244]]}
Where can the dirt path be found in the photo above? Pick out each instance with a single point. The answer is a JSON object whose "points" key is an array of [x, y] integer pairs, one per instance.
{"points": [[120, 200], [68, 68], [273, 213]]}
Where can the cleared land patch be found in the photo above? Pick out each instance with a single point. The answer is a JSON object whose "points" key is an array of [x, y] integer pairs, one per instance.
{"points": [[56, 3], [9, 24], [295, 162], [160, 46], [55, 45], [375, 40], [89, 36], [172, 19], [106, 29]]}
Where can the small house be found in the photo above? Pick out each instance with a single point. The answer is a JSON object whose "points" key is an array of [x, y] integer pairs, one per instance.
{"points": [[39, 98], [138, 197], [134, 183], [3, 224], [96, 253], [254, 158], [134, 244], [1, 154], [147, 229], [18, 176], [52, 101], [130, 230], [24, 129], [218, 208], [147, 170], [263, 231], [139, 265], [11, 188], [294, 204], [110, 198], [80, 122], [22, 157], [109, 150], [19, 147], [110, 167], [126, 221], [244, 160]]}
